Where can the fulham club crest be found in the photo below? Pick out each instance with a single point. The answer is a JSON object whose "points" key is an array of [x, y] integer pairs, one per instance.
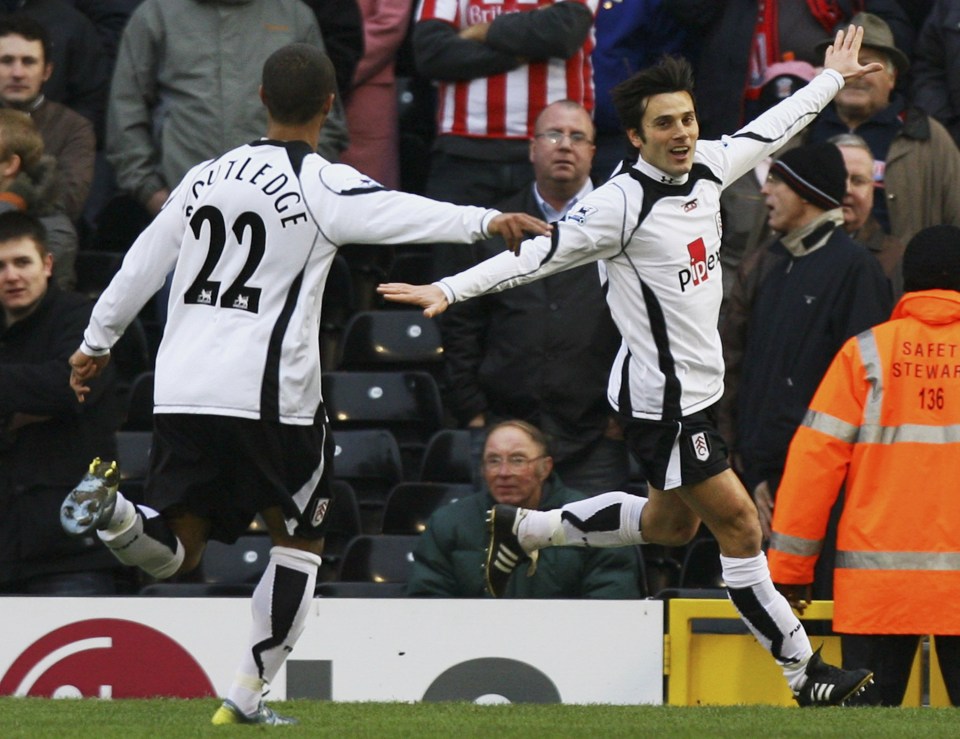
{"points": [[701, 446]]}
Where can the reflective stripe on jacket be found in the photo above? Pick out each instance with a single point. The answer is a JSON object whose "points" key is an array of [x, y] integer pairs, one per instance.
{"points": [[884, 423]]}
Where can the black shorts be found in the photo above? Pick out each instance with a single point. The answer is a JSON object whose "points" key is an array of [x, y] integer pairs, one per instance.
{"points": [[675, 453], [227, 470]]}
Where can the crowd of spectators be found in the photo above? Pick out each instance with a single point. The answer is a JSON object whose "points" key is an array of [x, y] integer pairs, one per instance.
{"points": [[106, 104]]}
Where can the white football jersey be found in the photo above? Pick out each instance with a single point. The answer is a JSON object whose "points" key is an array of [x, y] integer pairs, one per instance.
{"points": [[250, 237], [660, 238]]}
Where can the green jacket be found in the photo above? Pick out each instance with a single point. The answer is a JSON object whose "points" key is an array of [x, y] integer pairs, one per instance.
{"points": [[449, 557]]}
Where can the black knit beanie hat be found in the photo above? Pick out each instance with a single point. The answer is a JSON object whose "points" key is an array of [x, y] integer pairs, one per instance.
{"points": [[932, 260], [815, 172]]}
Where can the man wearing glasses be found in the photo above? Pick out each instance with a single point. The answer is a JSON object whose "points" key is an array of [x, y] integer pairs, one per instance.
{"points": [[518, 470], [542, 352]]}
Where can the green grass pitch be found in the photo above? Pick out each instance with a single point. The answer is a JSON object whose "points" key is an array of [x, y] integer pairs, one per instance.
{"points": [[128, 719]]}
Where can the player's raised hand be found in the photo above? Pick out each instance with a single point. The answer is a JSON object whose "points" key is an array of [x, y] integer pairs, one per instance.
{"points": [[843, 55], [428, 297], [515, 227]]}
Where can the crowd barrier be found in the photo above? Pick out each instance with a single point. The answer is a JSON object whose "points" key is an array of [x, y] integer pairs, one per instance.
{"points": [[396, 649]]}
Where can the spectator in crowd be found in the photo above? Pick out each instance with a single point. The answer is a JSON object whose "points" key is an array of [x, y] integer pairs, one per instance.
{"points": [[46, 436], [80, 76], [935, 77], [372, 114], [28, 182], [541, 352], [657, 227], [249, 238], [917, 164], [793, 306], [343, 30], [739, 39], [185, 82], [742, 205], [886, 410], [497, 66], [858, 219], [630, 35], [68, 137], [518, 469]]}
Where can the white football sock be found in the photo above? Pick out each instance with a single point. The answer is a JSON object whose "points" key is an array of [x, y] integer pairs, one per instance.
{"points": [[280, 605], [768, 615], [138, 536], [606, 520]]}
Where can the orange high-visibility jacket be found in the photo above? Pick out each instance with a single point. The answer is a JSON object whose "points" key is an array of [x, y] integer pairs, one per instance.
{"points": [[885, 422]]}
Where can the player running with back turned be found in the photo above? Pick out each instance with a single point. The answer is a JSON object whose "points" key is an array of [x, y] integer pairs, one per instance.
{"points": [[239, 424]]}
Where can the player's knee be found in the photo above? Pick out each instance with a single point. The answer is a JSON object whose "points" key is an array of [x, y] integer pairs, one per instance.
{"points": [[681, 533]]}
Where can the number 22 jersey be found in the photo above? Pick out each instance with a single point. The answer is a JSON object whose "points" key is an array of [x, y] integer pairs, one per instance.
{"points": [[250, 238]]}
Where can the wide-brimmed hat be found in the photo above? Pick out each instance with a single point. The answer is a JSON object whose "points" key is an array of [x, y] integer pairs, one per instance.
{"points": [[876, 35]]}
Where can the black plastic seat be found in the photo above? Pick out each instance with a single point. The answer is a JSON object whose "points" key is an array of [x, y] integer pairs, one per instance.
{"points": [[378, 558], [410, 504], [398, 339]]}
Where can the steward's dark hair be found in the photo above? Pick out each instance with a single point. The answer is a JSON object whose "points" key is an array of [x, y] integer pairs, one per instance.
{"points": [[297, 80]]}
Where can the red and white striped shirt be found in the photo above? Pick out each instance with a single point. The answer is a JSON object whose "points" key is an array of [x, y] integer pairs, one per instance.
{"points": [[504, 106]]}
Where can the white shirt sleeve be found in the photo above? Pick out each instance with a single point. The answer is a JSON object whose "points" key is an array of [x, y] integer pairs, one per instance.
{"points": [[768, 132], [594, 230], [356, 210], [144, 269]]}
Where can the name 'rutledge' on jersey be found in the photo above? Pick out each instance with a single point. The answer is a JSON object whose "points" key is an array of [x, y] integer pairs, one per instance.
{"points": [[701, 265], [272, 186]]}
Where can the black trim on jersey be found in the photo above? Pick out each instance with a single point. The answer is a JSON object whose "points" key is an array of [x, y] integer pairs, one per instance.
{"points": [[270, 389], [653, 192], [699, 171], [362, 190], [297, 151], [554, 243], [658, 329], [624, 404], [766, 140]]}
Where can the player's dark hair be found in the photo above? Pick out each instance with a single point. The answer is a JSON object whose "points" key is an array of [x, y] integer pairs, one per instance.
{"points": [[15, 224], [19, 24], [297, 80], [630, 97]]}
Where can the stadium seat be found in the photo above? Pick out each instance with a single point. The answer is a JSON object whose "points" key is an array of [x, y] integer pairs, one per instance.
{"points": [[131, 355], [378, 558], [361, 590], [701, 564], [410, 504], [226, 570], [133, 454], [95, 269], [139, 411], [411, 264], [368, 459], [339, 304], [401, 340], [343, 523], [405, 403], [447, 458]]}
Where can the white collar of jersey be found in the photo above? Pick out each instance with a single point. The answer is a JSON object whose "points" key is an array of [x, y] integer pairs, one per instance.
{"points": [[658, 174]]}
